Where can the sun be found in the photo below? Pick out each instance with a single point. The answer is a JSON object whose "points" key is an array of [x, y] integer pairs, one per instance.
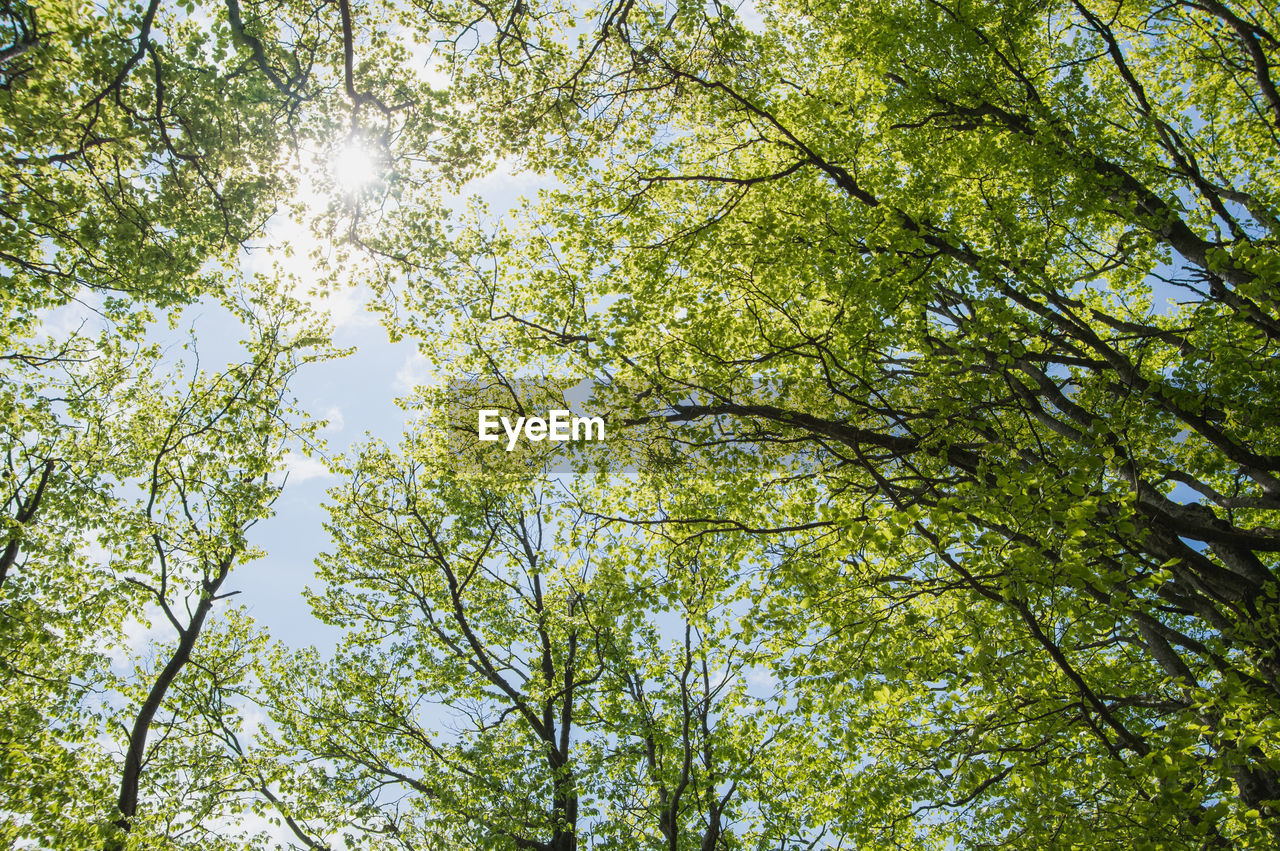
{"points": [[356, 164]]}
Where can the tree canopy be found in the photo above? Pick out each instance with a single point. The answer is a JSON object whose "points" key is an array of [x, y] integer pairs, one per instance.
{"points": [[937, 345]]}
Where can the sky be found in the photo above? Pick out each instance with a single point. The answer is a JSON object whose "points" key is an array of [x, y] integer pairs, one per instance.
{"points": [[358, 396]]}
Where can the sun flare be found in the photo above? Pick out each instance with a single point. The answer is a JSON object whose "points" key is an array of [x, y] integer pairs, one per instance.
{"points": [[356, 165]]}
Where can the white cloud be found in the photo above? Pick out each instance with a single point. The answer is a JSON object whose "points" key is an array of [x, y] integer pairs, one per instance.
{"points": [[335, 420], [347, 308], [138, 636], [749, 16], [302, 467], [763, 681], [251, 823], [415, 371]]}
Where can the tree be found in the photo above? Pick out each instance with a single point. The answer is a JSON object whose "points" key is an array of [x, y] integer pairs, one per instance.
{"points": [[879, 302], [514, 674], [211, 473], [205, 455], [138, 149], [925, 248], [144, 147]]}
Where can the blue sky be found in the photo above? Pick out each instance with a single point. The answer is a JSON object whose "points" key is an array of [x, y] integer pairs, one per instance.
{"points": [[357, 394]]}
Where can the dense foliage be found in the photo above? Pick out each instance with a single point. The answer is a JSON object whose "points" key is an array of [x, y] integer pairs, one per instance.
{"points": [[938, 345]]}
